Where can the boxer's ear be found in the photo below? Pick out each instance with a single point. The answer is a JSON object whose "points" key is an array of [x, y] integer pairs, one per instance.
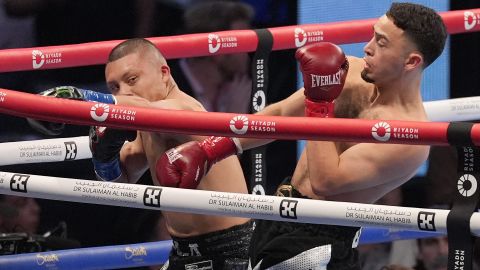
{"points": [[414, 60]]}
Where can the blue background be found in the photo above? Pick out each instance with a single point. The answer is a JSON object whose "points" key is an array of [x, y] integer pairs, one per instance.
{"points": [[436, 81]]}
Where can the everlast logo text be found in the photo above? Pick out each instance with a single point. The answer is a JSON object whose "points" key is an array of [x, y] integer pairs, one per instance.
{"points": [[319, 80]]}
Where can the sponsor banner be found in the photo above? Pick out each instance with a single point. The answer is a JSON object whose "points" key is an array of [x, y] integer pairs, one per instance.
{"points": [[243, 203], [101, 111], [303, 36], [41, 59], [76, 190], [228, 204], [136, 253], [203, 44], [240, 124], [48, 260], [455, 109], [224, 42], [380, 215], [114, 193], [383, 132], [50, 150], [107, 257]]}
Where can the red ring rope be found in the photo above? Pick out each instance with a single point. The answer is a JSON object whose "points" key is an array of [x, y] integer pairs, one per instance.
{"points": [[229, 42], [225, 124]]}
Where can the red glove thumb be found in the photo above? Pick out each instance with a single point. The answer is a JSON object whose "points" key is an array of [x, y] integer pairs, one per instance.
{"points": [[182, 166]]}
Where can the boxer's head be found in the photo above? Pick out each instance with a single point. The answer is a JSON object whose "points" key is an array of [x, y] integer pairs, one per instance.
{"points": [[409, 37], [136, 67]]}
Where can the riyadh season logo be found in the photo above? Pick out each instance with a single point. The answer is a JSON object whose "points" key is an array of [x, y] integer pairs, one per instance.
{"points": [[216, 42], [2, 96], [302, 36], [467, 185], [99, 112], [258, 190], [213, 43], [259, 101], [381, 131], [471, 19], [239, 124], [39, 58]]}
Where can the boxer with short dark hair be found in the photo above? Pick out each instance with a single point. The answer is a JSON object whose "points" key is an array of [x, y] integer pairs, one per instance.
{"points": [[137, 74], [384, 85]]}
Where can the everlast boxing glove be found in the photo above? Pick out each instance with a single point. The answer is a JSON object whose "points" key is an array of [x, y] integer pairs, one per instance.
{"points": [[185, 165], [324, 68], [105, 144]]}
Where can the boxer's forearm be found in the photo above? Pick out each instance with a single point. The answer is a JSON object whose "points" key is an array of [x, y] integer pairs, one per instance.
{"points": [[291, 106]]}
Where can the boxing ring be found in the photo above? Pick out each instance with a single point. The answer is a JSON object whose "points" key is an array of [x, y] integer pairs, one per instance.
{"points": [[413, 222]]}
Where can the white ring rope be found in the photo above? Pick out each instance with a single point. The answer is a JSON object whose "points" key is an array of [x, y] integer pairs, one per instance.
{"points": [[49, 150], [229, 204], [64, 149], [455, 109]]}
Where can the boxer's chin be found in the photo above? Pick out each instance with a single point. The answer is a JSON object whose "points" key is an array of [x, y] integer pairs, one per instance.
{"points": [[365, 77]]}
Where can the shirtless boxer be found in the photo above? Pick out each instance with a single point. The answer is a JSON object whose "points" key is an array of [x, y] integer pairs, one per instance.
{"points": [[138, 75], [385, 85]]}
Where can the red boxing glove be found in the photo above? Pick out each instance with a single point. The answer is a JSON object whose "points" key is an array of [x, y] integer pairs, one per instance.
{"points": [[324, 68], [185, 165]]}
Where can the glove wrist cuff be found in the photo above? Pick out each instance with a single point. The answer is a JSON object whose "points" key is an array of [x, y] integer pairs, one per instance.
{"points": [[218, 148], [323, 109], [90, 95], [107, 171]]}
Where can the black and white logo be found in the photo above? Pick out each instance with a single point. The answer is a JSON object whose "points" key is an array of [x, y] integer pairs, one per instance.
{"points": [[300, 37], [151, 197], [288, 209], [258, 190], [70, 150], [381, 131], [19, 182], [426, 221], [259, 101], [38, 59], [471, 19], [467, 185], [239, 124], [214, 43], [99, 112]]}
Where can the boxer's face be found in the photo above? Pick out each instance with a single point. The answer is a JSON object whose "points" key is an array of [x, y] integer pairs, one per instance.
{"points": [[140, 74], [387, 53]]}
